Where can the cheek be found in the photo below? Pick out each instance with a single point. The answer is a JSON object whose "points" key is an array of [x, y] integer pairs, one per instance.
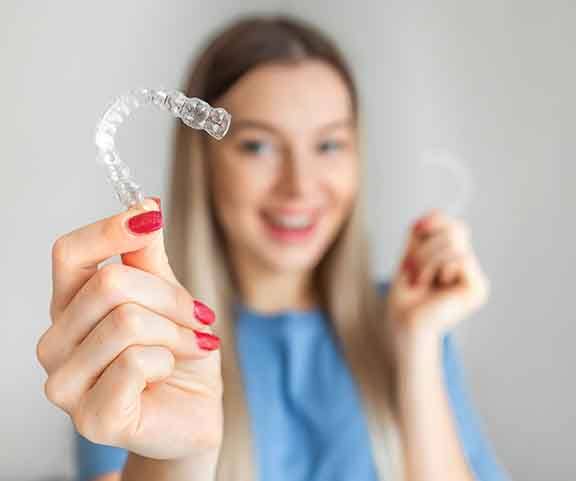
{"points": [[236, 192], [344, 185]]}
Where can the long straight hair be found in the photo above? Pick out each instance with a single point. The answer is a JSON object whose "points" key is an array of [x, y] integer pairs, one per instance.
{"points": [[343, 279]]}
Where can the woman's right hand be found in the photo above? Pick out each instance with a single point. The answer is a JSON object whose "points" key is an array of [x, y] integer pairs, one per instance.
{"points": [[124, 353]]}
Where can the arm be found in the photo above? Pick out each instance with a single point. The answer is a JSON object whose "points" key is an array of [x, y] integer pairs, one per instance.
{"points": [[429, 437], [199, 468], [98, 462], [109, 477], [479, 453], [438, 283], [428, 431], [441, 430]]}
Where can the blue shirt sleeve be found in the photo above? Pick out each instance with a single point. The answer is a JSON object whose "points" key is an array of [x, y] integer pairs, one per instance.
{"points": [[477, 449], [93, 460]]}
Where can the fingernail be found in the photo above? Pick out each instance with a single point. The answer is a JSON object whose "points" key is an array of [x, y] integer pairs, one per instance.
{"points": [[407, 265], [420, 225], [410, 269], [207, 341], [146, 222], [413, 275], [203, 313]]}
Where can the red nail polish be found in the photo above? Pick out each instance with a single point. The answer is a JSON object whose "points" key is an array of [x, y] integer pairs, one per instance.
{"points": [[146, 222], [420, 225], [203, 313], [407, 264], [207, 341]]}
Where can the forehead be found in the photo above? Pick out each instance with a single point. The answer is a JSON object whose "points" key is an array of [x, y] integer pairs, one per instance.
{"points": [[292, 97]]}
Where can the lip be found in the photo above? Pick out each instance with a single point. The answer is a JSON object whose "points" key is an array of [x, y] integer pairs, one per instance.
{"points": [[290, 236], [292, 211]]}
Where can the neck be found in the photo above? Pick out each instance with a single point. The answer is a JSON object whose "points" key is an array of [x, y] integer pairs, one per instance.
{"points": [[270, 291]]}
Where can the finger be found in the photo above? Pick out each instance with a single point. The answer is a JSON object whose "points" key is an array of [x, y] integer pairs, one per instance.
{"points": [[436, 221], [448, 274], [417, 233], [419, 250], [76, 255], [152, 257], [113, 285], [422, 241], [425, 249], [112, 408], [468, 280], [431, 222], [451, 234], [128, 324], [433, 264], [475, 279]]}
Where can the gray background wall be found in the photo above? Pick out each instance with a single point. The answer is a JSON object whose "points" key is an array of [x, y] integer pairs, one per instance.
{"points": [[490, 82]]}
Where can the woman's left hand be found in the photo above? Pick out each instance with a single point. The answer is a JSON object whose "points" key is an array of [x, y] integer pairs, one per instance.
{"points": [[439, 281]]}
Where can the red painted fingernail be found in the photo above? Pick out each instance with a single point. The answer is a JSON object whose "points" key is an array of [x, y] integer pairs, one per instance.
{"points": [[203, 313], [407, 265], [420, 225], [146, 222], [207, 341], [410, 269]]}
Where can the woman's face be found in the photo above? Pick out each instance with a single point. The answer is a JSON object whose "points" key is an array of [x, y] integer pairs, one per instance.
{"points": [[286, 175]]}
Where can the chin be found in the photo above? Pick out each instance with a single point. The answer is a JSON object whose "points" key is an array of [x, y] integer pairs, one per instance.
{"points": [[292, 264], [296, 259]]}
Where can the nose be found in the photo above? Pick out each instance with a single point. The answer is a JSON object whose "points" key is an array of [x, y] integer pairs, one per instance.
{"points": [[297, 176]]}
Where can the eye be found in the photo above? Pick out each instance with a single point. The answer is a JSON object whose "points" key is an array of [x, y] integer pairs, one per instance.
{"points": [[253, 146], [330, 146]]}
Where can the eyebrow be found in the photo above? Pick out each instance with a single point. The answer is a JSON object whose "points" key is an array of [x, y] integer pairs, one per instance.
{"points": [[257, 124]]}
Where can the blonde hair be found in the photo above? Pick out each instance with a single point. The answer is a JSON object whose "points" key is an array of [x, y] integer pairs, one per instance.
{"points": [[197, 250]]}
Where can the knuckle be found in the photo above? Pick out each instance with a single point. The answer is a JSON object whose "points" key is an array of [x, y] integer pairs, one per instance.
{"points": [[109, 229], [132, 359], [462, 229], [459, 235], [55, 393], [125, 321], [61, 250], [110, 279], [42, 350], [183, 299]]}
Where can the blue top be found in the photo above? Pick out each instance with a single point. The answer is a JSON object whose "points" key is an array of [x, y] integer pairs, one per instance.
{"points": [[302, 399]]}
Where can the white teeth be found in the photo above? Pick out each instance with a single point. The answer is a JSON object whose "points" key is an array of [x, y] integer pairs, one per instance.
{"points": [[292, 222]]}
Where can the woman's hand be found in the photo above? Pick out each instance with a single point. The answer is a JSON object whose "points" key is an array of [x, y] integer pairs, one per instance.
{"points": [[129, 354], [439, 281]]}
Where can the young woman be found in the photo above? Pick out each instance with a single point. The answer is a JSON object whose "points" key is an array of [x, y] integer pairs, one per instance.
{"points": [[312, 371]]}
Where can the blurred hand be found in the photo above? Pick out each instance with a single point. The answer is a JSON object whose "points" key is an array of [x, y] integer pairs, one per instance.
{"points": [[129, 355], [439, 281]]}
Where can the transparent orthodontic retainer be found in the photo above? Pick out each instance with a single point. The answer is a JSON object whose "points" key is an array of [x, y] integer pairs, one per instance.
{"points": [[193, 112]]}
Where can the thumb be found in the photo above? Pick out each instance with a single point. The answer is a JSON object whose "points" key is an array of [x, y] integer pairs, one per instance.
{"points": [[151, 258]]}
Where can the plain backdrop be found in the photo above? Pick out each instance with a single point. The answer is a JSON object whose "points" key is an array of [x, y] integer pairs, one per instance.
{"points": [[490, 84]]}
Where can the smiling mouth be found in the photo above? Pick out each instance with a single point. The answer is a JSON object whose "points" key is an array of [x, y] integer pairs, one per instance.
{"points": [[292, 227]]}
